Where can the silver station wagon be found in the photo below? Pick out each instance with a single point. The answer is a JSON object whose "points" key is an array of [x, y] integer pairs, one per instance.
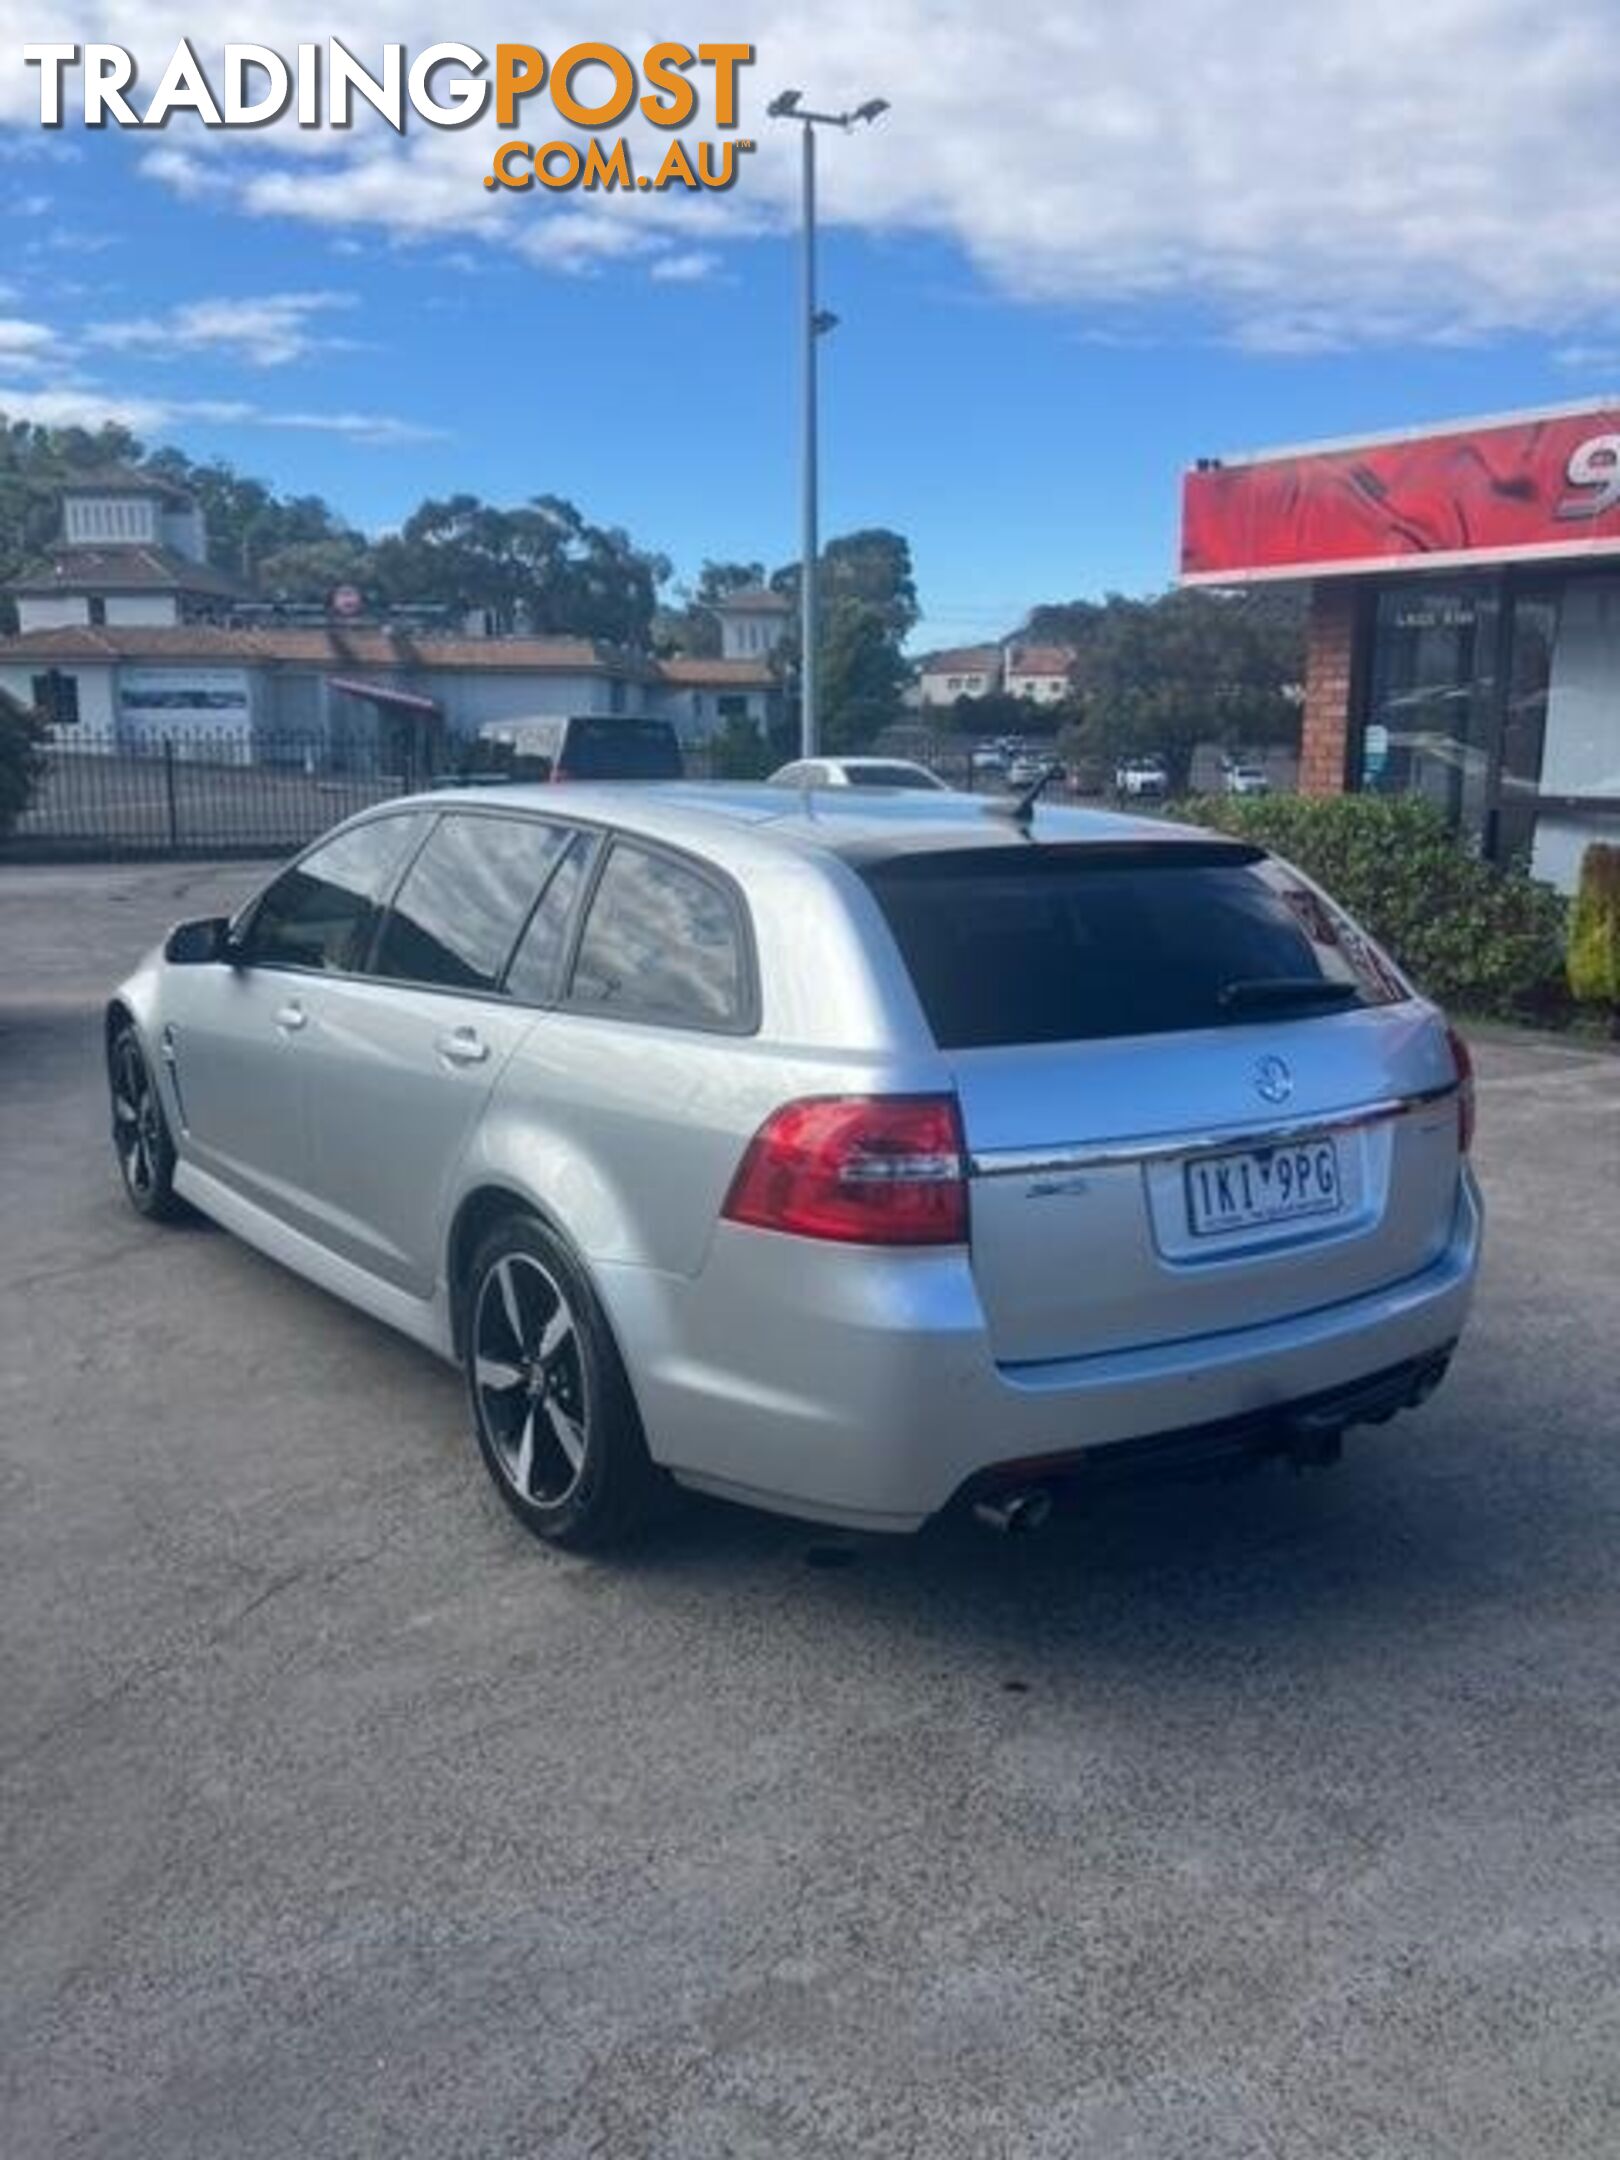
{"points": [[842, 1153]]}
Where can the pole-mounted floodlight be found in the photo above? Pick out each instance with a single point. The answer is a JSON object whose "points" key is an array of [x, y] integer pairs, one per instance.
{"points": [[814, 323]]}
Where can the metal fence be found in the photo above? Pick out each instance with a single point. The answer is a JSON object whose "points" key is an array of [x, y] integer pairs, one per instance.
{"points": [[214, 793], [224, 792]]}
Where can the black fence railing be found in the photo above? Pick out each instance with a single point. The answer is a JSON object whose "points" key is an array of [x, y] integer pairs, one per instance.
{"points": [[213, 792], [223, 791], [218, 792]]}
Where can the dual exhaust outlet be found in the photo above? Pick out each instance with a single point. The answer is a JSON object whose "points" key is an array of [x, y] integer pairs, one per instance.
{"points": [[1020, 1510]]}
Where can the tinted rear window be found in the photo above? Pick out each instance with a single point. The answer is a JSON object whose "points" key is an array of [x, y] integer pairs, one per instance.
{"points": [[1067, 945], [906, 776], [622, 750]]}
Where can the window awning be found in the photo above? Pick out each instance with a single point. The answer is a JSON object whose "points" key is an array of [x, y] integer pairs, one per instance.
{"points": [[411, 701]]}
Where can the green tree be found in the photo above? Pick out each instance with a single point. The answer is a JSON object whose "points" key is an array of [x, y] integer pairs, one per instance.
{"points": [[20, 761], [307, 570], [868, 608], [542, 566], [247, 521], [1186, 667]]}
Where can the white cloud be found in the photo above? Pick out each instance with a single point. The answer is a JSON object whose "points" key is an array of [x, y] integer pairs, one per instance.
{"points": [[72, 240], [1306, 176], [266, 332], [689, 268], [182, 171], [86, 404], [19, 336]]}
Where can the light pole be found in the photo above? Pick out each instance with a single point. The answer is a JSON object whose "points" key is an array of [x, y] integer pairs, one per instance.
{"points": [[815, 323]]}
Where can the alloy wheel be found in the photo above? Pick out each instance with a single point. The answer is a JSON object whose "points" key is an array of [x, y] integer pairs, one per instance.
{"points": [[137, 1119], [529, 1379]]}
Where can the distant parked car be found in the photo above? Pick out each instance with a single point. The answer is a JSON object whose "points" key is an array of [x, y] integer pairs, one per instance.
{"points": [[1025, 770], [1243, 777], [862, 772], [1141, 779], [592, 746]]}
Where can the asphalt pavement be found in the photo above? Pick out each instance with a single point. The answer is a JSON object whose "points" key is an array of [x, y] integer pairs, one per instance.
{"points": [[1272, 1818]]}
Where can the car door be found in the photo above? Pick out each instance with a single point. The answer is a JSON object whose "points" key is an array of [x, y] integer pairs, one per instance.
{"points": [[236, 1033], [402, 1059]]}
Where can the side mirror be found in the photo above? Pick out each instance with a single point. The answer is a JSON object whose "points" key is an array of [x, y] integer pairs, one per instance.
{"points": [[196, 944]]}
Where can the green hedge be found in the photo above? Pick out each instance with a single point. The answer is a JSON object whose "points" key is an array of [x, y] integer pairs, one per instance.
{"points": [[1478, 938], [1594, 938]]}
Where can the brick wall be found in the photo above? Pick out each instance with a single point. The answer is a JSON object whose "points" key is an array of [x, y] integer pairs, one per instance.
{"points": [[1329, 663]]}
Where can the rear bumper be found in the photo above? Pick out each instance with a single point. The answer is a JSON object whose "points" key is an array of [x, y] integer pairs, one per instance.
{"points": [[857, 1386]]}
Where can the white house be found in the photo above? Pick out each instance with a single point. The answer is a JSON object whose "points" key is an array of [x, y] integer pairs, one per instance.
{"points": [[972, 671], [753, 623], [114, 686], [1042, 673], [126, 637], [132, 551]]}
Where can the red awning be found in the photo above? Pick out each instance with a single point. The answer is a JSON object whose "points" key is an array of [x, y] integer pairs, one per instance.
{"points": [[382, 694]]}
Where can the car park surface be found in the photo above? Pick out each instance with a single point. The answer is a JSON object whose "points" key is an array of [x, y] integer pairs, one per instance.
{"points": [[1265, 1818]]}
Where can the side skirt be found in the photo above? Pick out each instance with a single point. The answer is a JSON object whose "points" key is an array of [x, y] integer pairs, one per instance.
{"points": [[425, 1321]]}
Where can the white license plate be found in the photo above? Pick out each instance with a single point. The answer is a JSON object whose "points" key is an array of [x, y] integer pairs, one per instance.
{"points": [[1254, 1186]]}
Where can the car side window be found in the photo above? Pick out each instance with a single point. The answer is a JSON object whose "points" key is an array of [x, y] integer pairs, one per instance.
{"points": [[458, 912], [321, 913], [535, 975], [661, 942]]}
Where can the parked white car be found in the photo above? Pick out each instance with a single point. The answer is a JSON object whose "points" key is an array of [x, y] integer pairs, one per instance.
{"points": [[1244, 777], [861, 772], [1141, 779]]}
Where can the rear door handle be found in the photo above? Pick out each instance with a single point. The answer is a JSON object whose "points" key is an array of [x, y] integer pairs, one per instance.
{"points": [[462, 1046], [291, 1017]]}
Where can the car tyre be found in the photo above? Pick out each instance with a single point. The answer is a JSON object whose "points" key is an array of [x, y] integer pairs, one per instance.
{"points": [[142, 1142], [552, 1408]]}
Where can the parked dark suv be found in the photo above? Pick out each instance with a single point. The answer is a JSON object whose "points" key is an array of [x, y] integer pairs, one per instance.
{"points": [[592, 746]]}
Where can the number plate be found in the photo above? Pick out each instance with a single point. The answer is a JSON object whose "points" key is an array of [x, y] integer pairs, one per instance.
{"points": [[1256, 1186]]}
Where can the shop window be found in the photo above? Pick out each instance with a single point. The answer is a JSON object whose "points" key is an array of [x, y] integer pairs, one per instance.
{"points": [[1431, 709], [1531, 643]]}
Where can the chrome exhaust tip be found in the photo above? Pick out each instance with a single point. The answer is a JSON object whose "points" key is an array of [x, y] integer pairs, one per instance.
{"points": [[1016, 1512]]}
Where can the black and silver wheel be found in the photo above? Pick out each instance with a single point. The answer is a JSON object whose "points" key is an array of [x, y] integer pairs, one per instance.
{"points": [[555, 1418], [140, 1131]]}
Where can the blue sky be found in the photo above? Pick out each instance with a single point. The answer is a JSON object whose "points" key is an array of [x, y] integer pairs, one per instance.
{"points": [[1025, 361]]}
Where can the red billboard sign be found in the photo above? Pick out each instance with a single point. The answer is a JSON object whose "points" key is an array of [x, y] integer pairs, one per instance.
{"points": [[1540, 486]]}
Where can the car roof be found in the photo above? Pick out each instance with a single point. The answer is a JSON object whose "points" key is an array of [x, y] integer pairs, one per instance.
{"points": [[705, 816]]}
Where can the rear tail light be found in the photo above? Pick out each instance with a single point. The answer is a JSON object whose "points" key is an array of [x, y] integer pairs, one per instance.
{"points": [[1462, 1058], [860, 1169]]}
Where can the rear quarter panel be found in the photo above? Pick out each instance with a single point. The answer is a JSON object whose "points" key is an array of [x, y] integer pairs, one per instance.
{"points": [[627, 1135]]}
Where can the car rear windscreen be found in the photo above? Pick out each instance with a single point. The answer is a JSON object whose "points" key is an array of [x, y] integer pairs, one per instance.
{"points": [[906, 776], [622, 750], [1052, 944]]}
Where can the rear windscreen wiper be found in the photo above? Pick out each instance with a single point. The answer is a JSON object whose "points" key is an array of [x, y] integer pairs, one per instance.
{"points": [[1276, 993]]}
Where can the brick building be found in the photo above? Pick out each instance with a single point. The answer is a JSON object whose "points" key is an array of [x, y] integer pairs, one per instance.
{"points": [[1464, 628]]}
